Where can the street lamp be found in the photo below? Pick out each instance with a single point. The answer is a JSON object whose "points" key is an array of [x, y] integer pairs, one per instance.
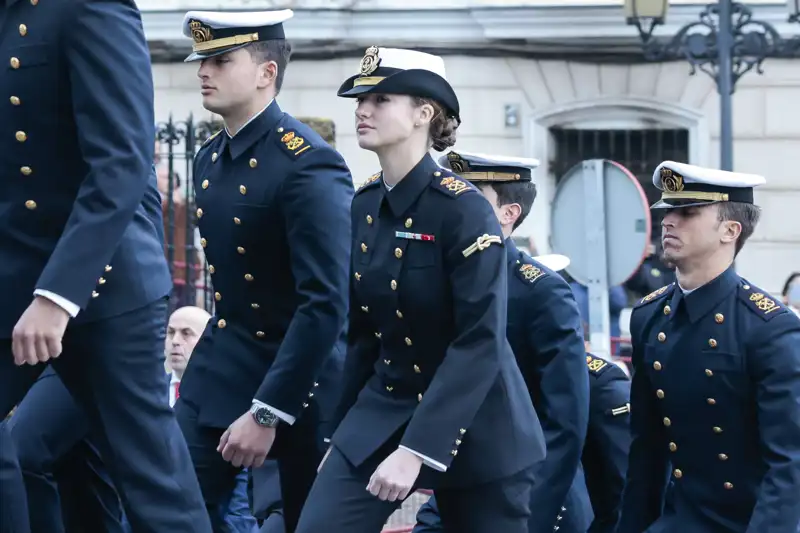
{"points": [[725, 43]]}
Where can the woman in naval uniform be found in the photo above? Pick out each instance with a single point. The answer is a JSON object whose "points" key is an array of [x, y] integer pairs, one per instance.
{"points": [[432, 397]]}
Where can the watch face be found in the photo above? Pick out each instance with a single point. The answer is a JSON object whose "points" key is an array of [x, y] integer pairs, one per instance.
{"points": [[265, 417]]}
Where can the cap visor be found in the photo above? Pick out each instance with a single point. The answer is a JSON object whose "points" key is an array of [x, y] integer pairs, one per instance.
{"points": [[355, 91], [199, 56], [677, 204]]}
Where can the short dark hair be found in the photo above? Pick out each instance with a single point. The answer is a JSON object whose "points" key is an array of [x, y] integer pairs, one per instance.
{"points": [[277, 50], [745, 214], [516, 192]]}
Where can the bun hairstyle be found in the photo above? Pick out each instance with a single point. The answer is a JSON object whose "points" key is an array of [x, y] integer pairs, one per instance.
{"points": [[443, 126]]}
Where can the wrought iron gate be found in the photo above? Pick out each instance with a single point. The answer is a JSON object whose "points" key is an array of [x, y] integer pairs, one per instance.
{"points": [[177, 143]]}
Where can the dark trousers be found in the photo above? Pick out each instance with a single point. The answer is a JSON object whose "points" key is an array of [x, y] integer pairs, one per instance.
{"points": [[297, 449], [61, 464], [340, 503], [13, 504], [114, 371]]}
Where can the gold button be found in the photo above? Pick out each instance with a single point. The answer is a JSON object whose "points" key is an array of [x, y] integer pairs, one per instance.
{"points": [[458, 442], [26, 171], [365, 308], [107, 268], [678, 474], [453, 452], [203, 242], [248, 277], [101, 281], [398, 253], [237, 221], [310, 394], [280, 130], [217, 296], [746, 287], [437, 173], [387, 361], [417, 369], [305, 405], [393, 284], [316, 384], [419, 397], [673, 447], [728, 485], [369, 219], [95, 294], [462, 431], [722, 457], [717, 430], [667, 309], [214, 157], [711, 401], [712, 343], [14, 62], [389, 388], [363, 247], [709, 373], [657, 365], [260, 334], [408, 341], [408, 222], [30, 204], [255, 306], [21, 136], [15, 100], [221, 323], [242, 189], [23, 30], [719, 318], [204, 184], [660, 394], [662, 337], [357, 276], [399, 314], [211, 269], [667, 422], [377, 334], [240, 250], [253, 163], [199, 213]]}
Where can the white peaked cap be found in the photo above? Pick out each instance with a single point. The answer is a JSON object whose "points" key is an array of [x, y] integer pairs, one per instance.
{"points": [[707, 176], [236, 19], [403, 59], [554, 262], [486, 160]]}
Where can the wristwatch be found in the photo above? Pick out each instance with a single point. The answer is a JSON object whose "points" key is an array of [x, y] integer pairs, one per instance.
{"points": [[263, 416]]}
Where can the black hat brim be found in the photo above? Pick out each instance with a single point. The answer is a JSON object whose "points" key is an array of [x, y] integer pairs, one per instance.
{"points": [[199, 56], [412, 82], [677, 204]]}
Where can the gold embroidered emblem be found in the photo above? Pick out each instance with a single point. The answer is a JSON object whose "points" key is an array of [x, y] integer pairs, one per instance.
{"points": [[482, 243], [595, 364], [654, 294], [370, 61], [288, 137], [457, 163], [531, 273], [200, 33], [763, 303], [295, 143], [454, 185], [670, 181]]}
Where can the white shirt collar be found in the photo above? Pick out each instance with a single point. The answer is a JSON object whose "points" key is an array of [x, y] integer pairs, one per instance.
{"points": [[173, 378], [249, 121]]}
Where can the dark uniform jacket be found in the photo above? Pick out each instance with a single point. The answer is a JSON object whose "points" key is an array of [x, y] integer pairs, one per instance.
{"points": [[80, 212], [273, 210], [715, 417], [428, 365], [544, 330]]}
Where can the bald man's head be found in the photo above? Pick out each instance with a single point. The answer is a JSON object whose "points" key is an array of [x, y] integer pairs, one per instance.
{"points": [[185, 327]]}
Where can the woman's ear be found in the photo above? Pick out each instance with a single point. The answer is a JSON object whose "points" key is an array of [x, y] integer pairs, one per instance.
{"points": [[425, 114]]}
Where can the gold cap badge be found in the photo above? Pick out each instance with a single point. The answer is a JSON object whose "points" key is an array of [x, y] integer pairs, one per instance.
{"points": [[670, 181], [200, 33], [370, 61], [457, 163]]}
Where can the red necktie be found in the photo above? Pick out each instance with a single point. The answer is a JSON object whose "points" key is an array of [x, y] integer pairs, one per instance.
{"points": [[177, 389]]}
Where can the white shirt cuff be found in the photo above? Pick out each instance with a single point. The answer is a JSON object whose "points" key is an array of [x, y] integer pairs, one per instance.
{"points": [[60, 301], [289, 419], [436, 465]]}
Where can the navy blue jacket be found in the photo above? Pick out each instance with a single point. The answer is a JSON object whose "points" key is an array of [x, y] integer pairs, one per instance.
{"points": [[428, 364], [273, 208], [81, 215], [715, 418]]}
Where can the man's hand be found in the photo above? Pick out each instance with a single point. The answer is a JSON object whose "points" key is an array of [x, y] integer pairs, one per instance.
{"points": [[395, 476], [324, 458], [245, 443], [39, 331]]}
